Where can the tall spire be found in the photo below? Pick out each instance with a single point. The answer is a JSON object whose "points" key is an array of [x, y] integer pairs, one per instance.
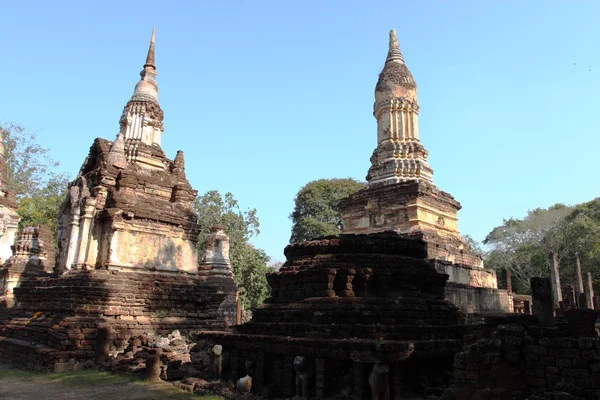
{"points": [[141, 121], [394, 53], [399, 155], [150, 56]]}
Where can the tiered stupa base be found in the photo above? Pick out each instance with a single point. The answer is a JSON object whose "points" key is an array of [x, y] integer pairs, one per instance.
{"points": [[418, 209], [346, 303]]}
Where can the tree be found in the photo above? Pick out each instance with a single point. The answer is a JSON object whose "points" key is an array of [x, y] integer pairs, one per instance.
{"points": [[316, 213], [31, 176], [250, 274], [29, 167], [522, 246], [249, 263], [474, 245], [41, 206]]}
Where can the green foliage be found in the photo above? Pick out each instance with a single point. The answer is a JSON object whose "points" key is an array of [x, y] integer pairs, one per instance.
{"points": [[41, 206], [250, 273], [31, 176], [316, 213], [28, 165], [474, 244], [249, 263], [522, 246]]}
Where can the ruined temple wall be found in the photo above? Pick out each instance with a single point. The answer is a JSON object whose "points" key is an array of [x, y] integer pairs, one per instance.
{"points": [[62, 312], [471, 299], [517, 361]]}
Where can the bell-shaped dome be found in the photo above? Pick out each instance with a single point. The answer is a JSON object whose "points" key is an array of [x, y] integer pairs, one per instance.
{"points": [[395, 80], [146, 89]]}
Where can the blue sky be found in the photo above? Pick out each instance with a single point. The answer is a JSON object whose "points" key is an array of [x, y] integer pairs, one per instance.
{"points": [[265, 96]]}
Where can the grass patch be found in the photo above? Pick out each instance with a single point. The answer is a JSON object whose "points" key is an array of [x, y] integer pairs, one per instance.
{"points": [[85, 384]]}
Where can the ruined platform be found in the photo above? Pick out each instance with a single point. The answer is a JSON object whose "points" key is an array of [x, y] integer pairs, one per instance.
{"points": [[57, 317], [346, 303]]}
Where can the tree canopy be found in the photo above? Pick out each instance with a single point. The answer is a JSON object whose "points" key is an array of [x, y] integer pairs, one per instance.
{"points": [[316, 211], [32, 176], [249, 263], [522, 246]]}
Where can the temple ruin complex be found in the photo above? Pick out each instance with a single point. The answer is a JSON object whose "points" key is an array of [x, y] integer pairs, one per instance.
{"points": [[401, 196], [396, 307]]}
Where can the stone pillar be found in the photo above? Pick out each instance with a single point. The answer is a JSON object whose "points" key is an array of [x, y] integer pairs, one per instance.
{"points": [[235, 362], [508, 275], [526, 307], [543, 303], [73, 237], [555, 279], [578, 278], [289, 387], [84, 230], [358, 375], [259, 378], [571, 299], [320, 377], [589, 291], [238, 308], [397, 381]]}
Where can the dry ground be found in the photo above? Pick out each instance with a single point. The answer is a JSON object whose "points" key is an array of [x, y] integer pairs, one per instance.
{"points": [[89, 385]]}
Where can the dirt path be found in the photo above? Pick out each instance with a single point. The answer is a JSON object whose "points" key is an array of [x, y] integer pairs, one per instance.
{"points": [[89, 385]]}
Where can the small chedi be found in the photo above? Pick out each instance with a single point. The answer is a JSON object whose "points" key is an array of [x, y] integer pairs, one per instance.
{"points": [[9, 219], [401, 196], [346, 316], [127, 265], [33, 254]]}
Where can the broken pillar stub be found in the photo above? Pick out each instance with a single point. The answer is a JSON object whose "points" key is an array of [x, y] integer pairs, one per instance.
{"points": [[543, 304], [571, 298], [526, 307]]}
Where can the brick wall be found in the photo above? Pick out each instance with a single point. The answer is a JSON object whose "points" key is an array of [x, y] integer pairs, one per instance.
{"points": [[534, 362], [62, 312]]}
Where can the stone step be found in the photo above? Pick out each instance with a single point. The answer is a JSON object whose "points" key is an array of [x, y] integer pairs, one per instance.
{"points": [[348, 331]]}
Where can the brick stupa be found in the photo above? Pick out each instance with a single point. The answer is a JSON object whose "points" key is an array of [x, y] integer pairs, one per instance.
{"points": [[401, 196], [127, 260]]}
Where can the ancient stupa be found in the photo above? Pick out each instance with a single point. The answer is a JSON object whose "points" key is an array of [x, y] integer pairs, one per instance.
{"points": [[371, 300], [127, 262], [401, 196], [130, 206]]}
